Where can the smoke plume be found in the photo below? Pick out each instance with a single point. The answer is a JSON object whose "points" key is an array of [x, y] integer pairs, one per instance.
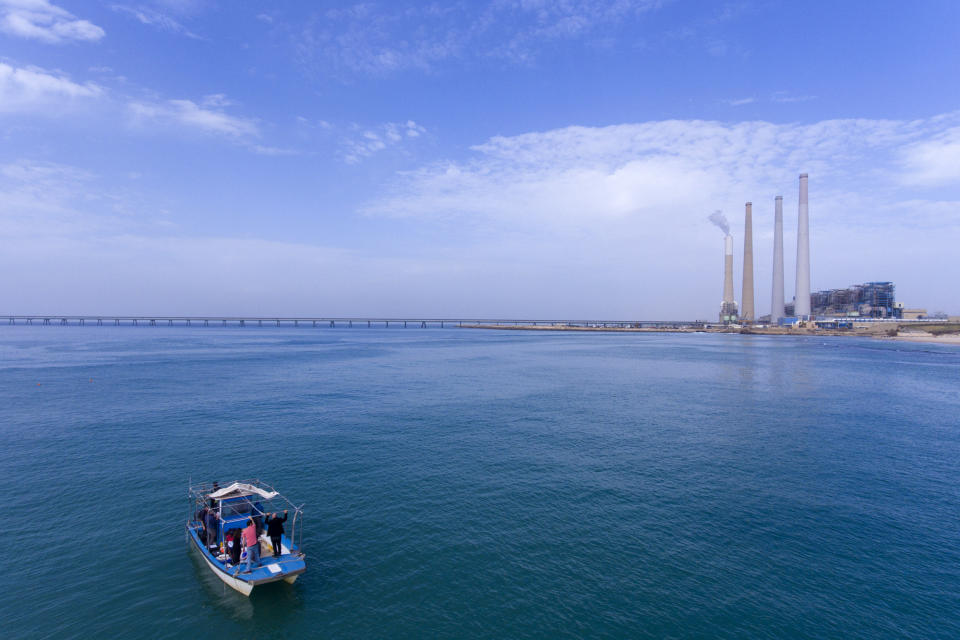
{"points": [[720, 220]]}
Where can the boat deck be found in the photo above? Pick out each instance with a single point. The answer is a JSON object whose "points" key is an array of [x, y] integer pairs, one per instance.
{"points": [[287, 566]]}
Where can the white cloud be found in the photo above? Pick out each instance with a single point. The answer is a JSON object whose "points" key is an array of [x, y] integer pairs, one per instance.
{"points": [[34, 90], [187, 114], [265, 150], [785, 97], [371, 141], [656, 172], [935, 161], [157, 19], [738, 102], [40, 20]]}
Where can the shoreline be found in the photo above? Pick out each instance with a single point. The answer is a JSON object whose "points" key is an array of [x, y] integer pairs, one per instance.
{"points": [[929, 338], [907, 336]]}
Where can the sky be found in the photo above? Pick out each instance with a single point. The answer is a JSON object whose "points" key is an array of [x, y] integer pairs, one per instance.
{"points": [[500, 158]]}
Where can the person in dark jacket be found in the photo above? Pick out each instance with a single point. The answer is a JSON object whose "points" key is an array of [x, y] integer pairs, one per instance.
{"points": [[202, 519], [211, 524], [233, 545], [275, 531]]}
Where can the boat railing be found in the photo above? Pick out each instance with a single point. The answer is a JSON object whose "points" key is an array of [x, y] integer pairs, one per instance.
{"points": [[198, 499]]}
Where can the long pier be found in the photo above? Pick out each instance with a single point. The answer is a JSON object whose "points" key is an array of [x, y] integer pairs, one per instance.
{"points": [[330, 322]]}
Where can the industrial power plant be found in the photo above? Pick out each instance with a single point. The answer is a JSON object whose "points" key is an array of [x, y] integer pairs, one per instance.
{"points": [[869, 300]]}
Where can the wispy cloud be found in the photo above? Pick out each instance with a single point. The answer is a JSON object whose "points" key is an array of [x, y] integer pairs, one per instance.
{"points": [[46, 22], [154, 18], [371, 141], [738, 102], [37, 91], [206, 117], [662, 173], [42, 198], [786, 97], [382, 38], [934, 162]]}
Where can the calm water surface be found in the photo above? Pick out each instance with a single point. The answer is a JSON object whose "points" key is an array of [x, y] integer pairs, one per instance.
{"points": [[463, 483]]}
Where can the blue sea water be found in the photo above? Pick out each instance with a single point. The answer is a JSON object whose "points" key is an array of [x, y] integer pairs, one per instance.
{"points": [[486, 484]]}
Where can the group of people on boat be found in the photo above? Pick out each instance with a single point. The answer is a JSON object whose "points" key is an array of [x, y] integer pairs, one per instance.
{"points": [[246, 539]]}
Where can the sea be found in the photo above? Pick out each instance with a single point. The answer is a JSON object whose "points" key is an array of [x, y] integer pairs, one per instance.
{"points": [[462, 483]]}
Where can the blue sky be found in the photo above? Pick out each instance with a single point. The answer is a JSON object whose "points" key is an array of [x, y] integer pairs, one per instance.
{"points": [[503, 158]]}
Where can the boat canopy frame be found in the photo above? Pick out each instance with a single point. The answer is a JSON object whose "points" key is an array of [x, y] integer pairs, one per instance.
{"points": [[199, 497]]}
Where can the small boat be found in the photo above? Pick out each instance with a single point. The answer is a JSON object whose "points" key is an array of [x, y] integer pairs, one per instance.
{"points": [[235, 505]]}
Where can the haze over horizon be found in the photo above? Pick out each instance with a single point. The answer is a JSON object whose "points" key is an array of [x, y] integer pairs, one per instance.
{"points": [[506, 158]]}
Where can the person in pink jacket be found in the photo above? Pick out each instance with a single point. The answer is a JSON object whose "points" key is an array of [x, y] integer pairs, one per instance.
{"points": [[251, 544]]}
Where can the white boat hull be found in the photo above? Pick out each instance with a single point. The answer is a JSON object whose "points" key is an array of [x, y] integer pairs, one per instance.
{"points": [[240, 585]]}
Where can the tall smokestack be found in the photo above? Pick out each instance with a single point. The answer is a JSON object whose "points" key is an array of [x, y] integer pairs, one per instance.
{"points": [[746, 302], [776, 302], [728, 269], [728, 308], [801, 300]]}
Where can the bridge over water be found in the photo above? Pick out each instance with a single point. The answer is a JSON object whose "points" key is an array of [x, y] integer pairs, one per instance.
{"points": [[331, 322]]}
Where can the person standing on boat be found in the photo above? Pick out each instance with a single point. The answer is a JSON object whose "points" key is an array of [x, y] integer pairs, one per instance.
{"points": [[251, 544], [275, 531], [202, 519], [232, 539], [211, 524]]}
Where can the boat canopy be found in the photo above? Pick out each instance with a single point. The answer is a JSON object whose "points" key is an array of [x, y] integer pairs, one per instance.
{"points": [[241, 488]]}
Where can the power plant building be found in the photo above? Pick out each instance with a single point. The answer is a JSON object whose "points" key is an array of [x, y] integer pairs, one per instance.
{"points": [[868, 300]]}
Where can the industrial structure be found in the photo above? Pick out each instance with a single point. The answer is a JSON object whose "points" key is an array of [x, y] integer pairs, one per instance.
{"points": [[747, 313], [776, 299], [868, 300], [802, 291], [728, 308]]}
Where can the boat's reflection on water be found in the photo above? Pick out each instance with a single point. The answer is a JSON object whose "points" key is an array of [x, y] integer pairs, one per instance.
{"points": [[270, 600]]}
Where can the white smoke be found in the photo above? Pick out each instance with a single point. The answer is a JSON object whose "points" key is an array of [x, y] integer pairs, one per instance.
{"points": [[720, 220]]}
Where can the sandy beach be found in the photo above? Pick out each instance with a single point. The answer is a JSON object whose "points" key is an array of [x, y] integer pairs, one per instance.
{"points": [[923, 336]]}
